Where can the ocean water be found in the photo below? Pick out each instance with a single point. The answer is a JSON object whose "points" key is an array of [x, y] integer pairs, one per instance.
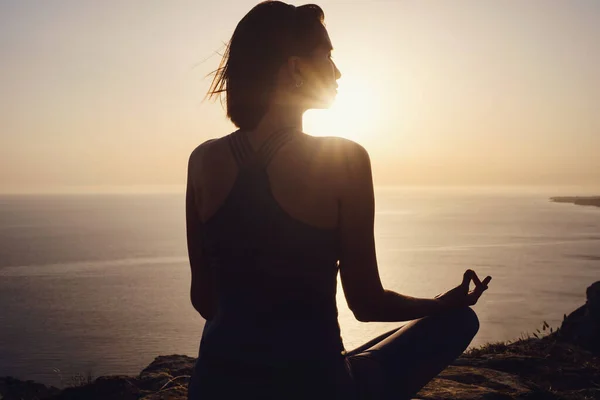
{"points": [[100, 283]]}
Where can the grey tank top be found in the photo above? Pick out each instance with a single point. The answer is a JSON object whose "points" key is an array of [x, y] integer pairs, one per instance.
{"points": [[276, 276]]}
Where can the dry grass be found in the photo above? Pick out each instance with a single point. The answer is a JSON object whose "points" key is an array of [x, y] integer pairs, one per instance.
{"points": [[76, 380]]}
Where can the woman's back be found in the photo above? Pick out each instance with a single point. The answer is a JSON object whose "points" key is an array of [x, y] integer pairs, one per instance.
{"points": [[275, 273], [273, 253]]}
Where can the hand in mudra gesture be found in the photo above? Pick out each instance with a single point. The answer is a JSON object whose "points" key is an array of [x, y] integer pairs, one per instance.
{"points": [[462, 296]]}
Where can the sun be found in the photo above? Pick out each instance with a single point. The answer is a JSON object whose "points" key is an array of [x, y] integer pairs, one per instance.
{"points": [[353, 115]]}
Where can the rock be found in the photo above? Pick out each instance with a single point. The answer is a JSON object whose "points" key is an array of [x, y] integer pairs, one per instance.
{"points": [[15, 389], [548, 367], [166, 378], [470, 383], [582, 326], [167, 372], [176, 393], [173, 365], [115, 387]]}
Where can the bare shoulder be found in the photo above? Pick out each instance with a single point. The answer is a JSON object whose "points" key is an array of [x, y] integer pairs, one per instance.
{"points": [[207, 152], [203, 148], [341, 151]]}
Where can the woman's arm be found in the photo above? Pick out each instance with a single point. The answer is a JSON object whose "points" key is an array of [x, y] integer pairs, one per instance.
{"points": [[363, 290], [202, 292]]}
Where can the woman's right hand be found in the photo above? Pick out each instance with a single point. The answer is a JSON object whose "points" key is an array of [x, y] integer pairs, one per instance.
{"points": [[461, 296]]}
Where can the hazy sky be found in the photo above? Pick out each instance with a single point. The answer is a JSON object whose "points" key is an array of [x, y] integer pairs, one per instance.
{"points": [[108, 93]]}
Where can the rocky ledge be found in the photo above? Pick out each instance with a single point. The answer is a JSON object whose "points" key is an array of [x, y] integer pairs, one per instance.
{"points": [[562, 364], [579, 200]]}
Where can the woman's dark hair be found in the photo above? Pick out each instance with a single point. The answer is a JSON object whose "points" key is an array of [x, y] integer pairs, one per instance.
{"points": [[261, 43]]}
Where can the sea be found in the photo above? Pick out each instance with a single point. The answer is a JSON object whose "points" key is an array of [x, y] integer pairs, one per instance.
{"points": [[99, 283]]}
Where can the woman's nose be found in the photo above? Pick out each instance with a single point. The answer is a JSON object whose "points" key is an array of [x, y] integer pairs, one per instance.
{"points": [[337, 72]]}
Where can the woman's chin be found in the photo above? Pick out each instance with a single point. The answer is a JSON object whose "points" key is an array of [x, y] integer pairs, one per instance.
{"points": [[323, 102], [319, 98]]}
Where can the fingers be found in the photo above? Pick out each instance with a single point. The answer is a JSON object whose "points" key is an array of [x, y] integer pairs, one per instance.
{"points": [[486, 281], [467, 276], [476, 293], [476, 280], [481, 285]]}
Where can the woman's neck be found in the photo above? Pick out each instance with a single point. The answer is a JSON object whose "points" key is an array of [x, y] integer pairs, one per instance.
{"points": [[276, 119]]}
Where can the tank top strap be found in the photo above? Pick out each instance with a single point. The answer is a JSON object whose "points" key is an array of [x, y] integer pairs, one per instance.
{"points": [[270, 146], [245, 155], [240, 148]]}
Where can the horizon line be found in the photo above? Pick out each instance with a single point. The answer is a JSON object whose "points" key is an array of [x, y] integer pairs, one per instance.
{"points": [[180, 189]]}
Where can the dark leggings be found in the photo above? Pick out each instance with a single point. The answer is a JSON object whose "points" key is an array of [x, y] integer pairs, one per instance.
{"points": [[397, 364]]}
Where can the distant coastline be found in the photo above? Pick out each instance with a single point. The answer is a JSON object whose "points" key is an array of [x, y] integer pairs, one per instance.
{"points": [[578, 200]]}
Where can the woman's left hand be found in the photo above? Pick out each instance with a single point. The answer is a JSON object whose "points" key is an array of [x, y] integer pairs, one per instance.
{"points": [[461, 296]]}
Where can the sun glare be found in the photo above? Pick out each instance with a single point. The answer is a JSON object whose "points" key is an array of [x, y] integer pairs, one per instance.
{"points": [[353, 115]]}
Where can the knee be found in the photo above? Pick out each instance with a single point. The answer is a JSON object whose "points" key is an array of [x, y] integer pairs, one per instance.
{"points": [[466, 320]]}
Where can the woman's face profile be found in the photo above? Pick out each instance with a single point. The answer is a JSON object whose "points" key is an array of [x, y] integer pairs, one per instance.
{"points": [[320, 75]]}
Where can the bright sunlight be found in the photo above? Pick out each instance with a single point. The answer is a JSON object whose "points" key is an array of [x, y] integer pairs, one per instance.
{"points": [[354, 114]]}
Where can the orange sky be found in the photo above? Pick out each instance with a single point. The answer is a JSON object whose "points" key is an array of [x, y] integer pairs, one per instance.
{"points": [[109, 94]]}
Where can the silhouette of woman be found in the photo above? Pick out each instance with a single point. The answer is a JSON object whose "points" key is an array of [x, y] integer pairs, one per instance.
{"points": [[273, 214]]}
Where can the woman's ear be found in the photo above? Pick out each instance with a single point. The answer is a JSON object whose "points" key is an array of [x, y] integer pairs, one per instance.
{"points": [[294, 71]]}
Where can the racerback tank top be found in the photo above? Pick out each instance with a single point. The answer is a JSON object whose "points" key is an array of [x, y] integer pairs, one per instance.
{"points": [[276, 276]]}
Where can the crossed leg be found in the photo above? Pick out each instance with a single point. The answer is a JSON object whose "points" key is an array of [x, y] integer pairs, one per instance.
{"points": [[397, 364]]}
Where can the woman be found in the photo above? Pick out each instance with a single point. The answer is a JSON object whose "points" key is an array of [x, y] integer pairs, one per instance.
{"points": [[273, 214]]}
